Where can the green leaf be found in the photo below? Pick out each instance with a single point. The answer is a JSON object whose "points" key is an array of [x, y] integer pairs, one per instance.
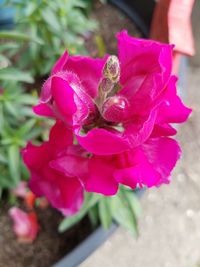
{"points": [[13, 161], [90, 201], [3, 159], [13, 74], [27, 99], [14, 35], [11, 108], [50, 18], [133, 202], [30, 8], [94, 216], [123, 213], [25, 128], [5, 182], [105, 213]]}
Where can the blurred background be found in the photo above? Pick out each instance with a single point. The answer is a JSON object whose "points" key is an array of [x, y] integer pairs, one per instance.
{"points": [[33, 34]]}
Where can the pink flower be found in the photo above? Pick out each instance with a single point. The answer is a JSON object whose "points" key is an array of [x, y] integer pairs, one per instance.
{"points": [[115, 104], [26, 226], [63, 191]]}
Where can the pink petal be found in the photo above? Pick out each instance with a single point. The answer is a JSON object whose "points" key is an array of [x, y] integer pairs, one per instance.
{"points": [[60, 137], [70, 165], [60, 64], [100, 178], [64, 193], [45, 96], [63, 95], [164, 129], [155, 57], [43, 110], [102, 141], [36, 156], [172, 109], [139, 130], [152, 163], [143, 82], [89, 71]]}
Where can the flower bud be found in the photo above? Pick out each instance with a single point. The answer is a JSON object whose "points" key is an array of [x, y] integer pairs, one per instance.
{"points": [[106, 85], [112, 69], [115, 109]]}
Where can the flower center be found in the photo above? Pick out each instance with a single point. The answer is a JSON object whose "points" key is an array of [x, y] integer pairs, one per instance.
{"points": [[110, 106]]}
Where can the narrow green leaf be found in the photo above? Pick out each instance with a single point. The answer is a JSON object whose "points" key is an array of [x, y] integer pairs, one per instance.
{"points": [[25, 128], [13, 74], [133, 203], [50, 18], [14, 35], [122, 213], [13, 161], [94, 216], [105, 213]]}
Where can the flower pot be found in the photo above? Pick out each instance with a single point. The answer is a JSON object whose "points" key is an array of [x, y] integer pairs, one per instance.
{"points": [[85, 249], [139, 11], [90, 244]]}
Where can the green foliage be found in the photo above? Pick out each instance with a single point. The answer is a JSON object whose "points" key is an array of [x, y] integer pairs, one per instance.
{"points": [[17, 125], [52, 26], [90, 201], [123, 208]]}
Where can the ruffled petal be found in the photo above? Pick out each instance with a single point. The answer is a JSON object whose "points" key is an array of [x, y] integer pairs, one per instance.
{"points": [[172, 110], [139, 130], [152, 163], [145, 69]]}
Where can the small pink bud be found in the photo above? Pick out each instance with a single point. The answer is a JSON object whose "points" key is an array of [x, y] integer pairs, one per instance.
{"points": [[115, 108]]}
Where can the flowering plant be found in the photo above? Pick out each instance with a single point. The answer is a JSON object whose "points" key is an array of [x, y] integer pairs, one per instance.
{"points": [[113, 121]]}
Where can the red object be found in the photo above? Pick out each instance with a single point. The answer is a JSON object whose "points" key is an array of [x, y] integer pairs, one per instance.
{"points": [[30, 200], [172, 24], [25, 225]]}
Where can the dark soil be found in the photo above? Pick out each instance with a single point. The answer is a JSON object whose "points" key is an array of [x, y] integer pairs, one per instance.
{"points": [[48, 248], [111, 21]]}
